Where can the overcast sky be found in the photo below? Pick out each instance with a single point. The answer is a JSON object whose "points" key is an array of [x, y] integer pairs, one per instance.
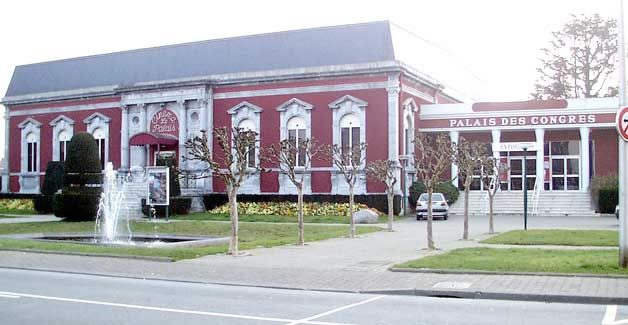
{"points": [[498, 40]]}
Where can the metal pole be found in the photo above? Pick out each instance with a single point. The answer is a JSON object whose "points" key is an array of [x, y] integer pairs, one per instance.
{"points": [[525, 191], [405, 179], [623, 193]]}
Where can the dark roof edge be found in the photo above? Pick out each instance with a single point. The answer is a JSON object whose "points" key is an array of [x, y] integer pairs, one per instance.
{"points": [[159, 47], [234, 78]]}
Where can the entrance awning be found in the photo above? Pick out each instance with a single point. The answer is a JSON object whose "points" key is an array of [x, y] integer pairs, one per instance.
{"points": [[144, 138]]}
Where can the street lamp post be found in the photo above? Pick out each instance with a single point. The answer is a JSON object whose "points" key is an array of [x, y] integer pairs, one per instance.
{"points": [[402, 161], [525, 190]]}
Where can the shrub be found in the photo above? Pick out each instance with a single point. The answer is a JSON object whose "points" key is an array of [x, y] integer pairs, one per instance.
{"points": [[374, 201], [76, 204], [16, 206], [450, 192], [605, 192], [53, 181], [290, 208], [178, 205], [82, 165]]}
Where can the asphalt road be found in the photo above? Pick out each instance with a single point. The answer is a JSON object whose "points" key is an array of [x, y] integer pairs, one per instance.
{"points": [[38, 297]]}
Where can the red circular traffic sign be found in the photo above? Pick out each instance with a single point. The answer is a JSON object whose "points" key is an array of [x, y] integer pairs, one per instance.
{"points": [[621, 122]]}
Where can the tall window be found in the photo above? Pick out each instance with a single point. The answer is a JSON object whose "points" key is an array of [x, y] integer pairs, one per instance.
{"points": [[248, 125], [99, 135], [296, 135], [31, 148], [64, 139], [349, 133]]}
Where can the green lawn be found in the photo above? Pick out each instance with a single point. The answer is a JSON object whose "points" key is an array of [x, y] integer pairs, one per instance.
{"points": [[270, 218], [16, 211], [556, 237], [251, 236], [3, 216], [523, 260]]}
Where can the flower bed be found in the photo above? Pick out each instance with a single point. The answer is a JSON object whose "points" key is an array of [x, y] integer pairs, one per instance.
{"points": [[17, 206], [290, 208]]}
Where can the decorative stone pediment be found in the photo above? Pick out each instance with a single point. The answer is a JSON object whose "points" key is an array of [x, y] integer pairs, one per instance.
{"points": [[245, 108], [294, 104], [348, 101], [29, 121], [410, 104], [62, 119], [95, 116]]}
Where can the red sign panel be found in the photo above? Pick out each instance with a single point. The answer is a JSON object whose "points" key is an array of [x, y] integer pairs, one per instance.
{"points": [[165, 122], [621, 121]]}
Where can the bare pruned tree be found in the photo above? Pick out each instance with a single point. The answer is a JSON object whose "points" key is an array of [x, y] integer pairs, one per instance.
{"points": [[468, 157], [433, 155], [238, 147], [490, 171], [294, 160], [384, 171], [348, 161]]}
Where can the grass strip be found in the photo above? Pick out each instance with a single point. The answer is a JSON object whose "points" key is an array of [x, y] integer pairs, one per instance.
{"points": [[523, 260], [556, 237], [16, 211], [251, 236]]}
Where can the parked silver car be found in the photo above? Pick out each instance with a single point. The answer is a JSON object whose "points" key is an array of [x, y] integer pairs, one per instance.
{"points": [[440, 208]]}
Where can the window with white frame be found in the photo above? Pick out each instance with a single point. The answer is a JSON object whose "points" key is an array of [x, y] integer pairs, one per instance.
{"points": [[297, 135], [31, 148], [99, 135], [249, 125], [63, 140], [349, 133]]}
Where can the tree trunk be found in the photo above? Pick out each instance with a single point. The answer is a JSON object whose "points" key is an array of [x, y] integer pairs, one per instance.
{"points": [[301, 236], [233, 205], [351, 211], [490, 214], [430, 239], [465, 233], [390, 209]]}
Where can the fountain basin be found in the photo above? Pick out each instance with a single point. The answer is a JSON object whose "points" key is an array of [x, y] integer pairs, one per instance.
{"points": [[138, 240]]}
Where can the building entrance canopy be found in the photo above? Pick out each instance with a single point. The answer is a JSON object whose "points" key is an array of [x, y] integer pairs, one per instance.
{"points": [[150, 138]]}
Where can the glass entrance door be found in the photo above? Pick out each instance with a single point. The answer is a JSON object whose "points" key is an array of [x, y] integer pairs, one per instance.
{"points": [[565, 173], [515, 173]]}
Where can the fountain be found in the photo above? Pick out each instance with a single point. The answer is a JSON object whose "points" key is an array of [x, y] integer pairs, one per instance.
{"points": [[112, 226], [108, 223]]}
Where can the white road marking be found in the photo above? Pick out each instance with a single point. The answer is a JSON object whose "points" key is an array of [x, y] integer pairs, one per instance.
{"points": [[307, 320], [9, 296], [609, 316], [171, 310]]}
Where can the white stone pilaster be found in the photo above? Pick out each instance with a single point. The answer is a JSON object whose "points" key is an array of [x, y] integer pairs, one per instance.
{"points": [[210, 129], [5, 172], [584, 159], [496, 135], [454, 135], [144, 128], [183, 132], [124, 141], [393, 88], [540, 168]]}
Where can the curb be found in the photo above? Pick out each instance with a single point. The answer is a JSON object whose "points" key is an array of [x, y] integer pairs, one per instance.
{"points": [[133, 257], [548, 298], [480, 272]]}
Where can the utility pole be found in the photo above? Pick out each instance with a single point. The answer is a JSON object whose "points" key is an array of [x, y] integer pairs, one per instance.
{"points": [[623, 179]]}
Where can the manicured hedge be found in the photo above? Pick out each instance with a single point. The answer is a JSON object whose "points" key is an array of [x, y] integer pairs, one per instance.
{"points": [[178, 205], [605, 192], [53, 181], [80, 204], [449, 190], [375, 201]]}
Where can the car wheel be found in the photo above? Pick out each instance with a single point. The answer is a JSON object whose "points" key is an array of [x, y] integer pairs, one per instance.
{"points": [[418, 217], [446, 217]]}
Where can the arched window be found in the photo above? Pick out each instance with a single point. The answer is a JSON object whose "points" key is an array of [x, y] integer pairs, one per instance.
{"points": [[249, 125], [296, 135], [31, 147], [349, 133], [407, 130], [99, 135], [64, 138]]}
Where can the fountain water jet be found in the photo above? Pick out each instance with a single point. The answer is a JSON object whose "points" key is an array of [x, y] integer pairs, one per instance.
{"points": [[108, 219]]}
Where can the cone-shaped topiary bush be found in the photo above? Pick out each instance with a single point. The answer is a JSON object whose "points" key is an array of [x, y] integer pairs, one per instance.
{"points": [[53, 181], [82, 180]]}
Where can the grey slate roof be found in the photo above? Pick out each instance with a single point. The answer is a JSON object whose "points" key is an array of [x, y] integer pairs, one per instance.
{"points": [[349, 44]]}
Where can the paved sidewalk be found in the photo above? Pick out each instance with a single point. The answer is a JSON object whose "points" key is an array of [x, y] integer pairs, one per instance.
{"points": [[359, 265], [22, 218]]}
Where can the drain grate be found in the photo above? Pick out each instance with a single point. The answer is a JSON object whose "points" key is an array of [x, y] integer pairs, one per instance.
{"points": [[452, 285]]}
